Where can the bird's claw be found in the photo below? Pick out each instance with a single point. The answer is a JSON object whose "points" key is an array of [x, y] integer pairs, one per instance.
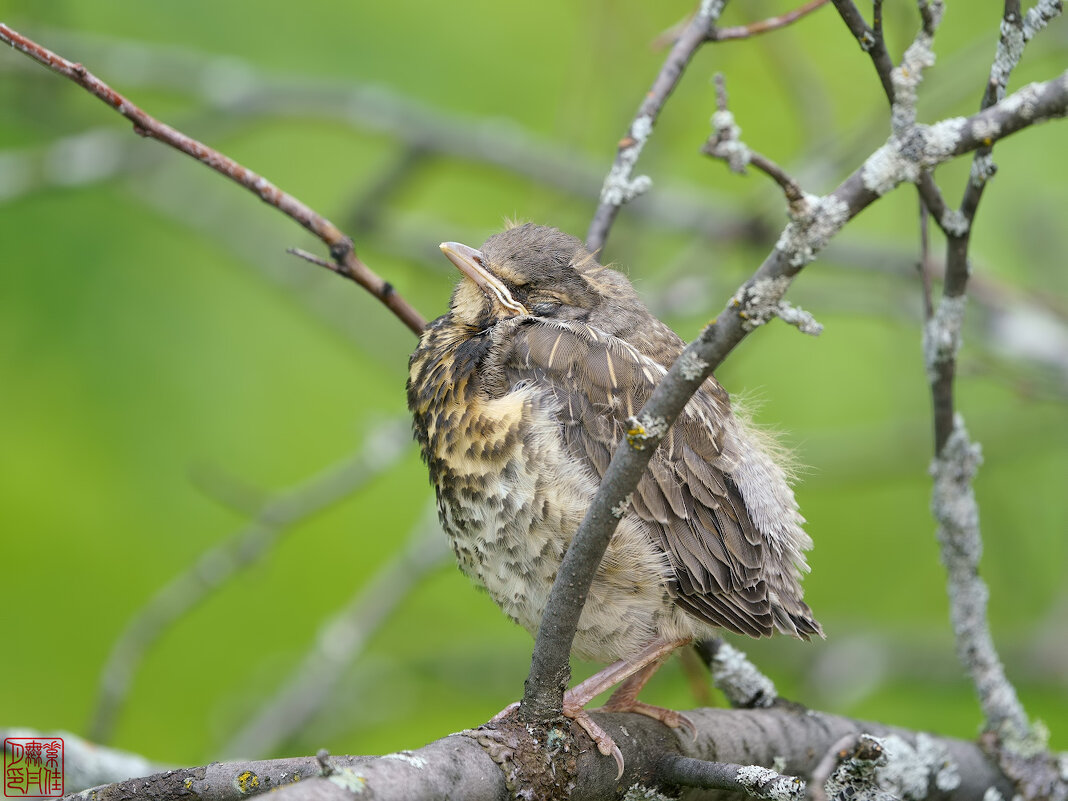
{"points": [[605, 744]]}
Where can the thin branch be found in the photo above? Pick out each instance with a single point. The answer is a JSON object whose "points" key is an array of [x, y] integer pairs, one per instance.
{"points": [[1016, 31], [725, 144], [619, 187], [341, 247], [825, 767], [758, 299], [220, 563], [753, 780], [1019, 747], [870, 40], [500, 143], [924, 264], [764, 26], [339, 642]]}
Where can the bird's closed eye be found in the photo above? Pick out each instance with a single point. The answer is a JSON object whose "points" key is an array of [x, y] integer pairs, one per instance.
{"points": [[545, 308]]}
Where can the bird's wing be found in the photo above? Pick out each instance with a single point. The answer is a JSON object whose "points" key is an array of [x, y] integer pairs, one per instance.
{"points": [[689, 506]]}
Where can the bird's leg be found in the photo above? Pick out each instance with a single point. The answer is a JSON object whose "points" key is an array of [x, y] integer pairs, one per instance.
{"points": [[633, 674], [625, 699]]}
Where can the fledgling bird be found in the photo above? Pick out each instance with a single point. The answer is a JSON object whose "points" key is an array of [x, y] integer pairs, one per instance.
{"points": [[519, 395]]}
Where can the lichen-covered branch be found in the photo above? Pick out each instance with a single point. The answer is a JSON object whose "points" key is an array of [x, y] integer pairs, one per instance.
{"points": [[1019, 746], [740, 681], [813, 225], [726, 144], [753, 780], [483, 764], [619, 185], [341, 247]]}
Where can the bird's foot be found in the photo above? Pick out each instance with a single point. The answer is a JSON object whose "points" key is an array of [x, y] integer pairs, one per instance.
{"points": [[669, 717], [605, 744]]}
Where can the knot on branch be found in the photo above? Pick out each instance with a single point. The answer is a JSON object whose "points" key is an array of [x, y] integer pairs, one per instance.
{"points": [[760, 301], [645, 431], [539, 760], [882, 768]]}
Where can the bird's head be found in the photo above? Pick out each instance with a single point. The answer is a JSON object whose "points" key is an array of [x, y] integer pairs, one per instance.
{"points": [[533, 270]]}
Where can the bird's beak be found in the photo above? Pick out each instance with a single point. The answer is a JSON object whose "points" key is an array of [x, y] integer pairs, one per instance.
{"points": [[471, 263]]}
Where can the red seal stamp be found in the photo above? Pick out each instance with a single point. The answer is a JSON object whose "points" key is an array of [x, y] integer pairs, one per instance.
{"points": [[33, 767]]}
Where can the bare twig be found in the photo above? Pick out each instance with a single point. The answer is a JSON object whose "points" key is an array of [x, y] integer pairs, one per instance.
{"points": [[341, 247], [619, 187], [725, 143], [764, 26], [870, 40], [414, 126], [340, 641], [219, 564]]}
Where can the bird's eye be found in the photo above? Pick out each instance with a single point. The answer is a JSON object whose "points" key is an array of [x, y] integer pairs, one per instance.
{"points": [[544, 309]]}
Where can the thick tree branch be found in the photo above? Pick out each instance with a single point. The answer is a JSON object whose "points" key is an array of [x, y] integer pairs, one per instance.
{"points": [[483, 763], [341, 247], [753, 305]]}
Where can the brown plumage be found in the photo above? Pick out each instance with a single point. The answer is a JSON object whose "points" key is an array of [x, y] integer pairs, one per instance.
{"points": [[519, 395]]}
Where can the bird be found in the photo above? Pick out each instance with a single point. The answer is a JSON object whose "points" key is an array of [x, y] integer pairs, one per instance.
{"points": [[518, 396]]}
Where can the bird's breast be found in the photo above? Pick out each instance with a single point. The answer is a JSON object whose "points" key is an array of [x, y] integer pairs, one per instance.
{"points": [[511, 496]]}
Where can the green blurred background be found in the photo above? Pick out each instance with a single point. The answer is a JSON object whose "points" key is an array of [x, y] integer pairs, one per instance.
{"points": [[165, 364]]}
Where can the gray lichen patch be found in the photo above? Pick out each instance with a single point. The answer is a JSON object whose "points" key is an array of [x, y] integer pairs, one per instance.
{"points": [[943, 334], [349, 779], [739, 680], [814, 223], [691, 365], [762, 300], [764, 783], [619, 187], [639, 792], [728, 144]]}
